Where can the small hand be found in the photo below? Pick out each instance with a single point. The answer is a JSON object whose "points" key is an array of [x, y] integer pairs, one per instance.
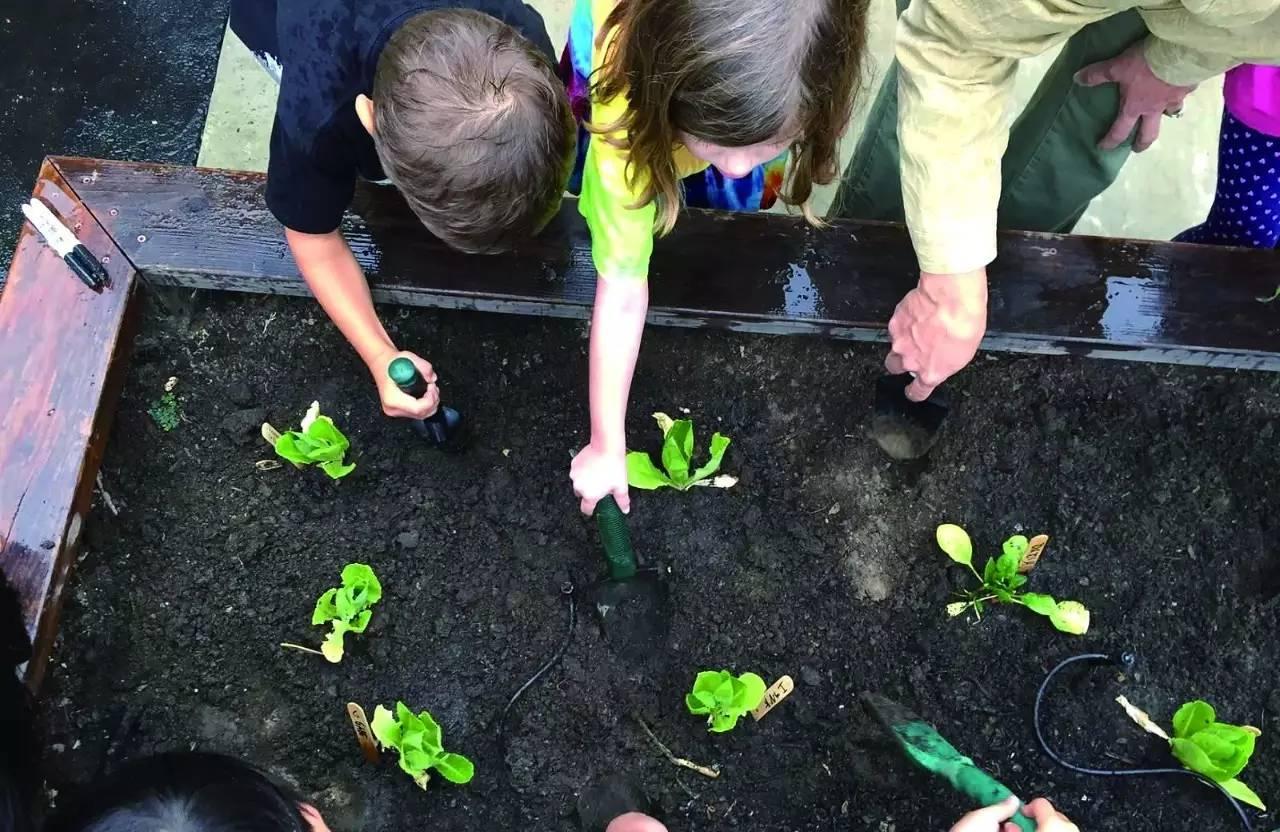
{"points": [[993, 818], [597, 473], [936, 329], [397, 403], [1144, 98]]}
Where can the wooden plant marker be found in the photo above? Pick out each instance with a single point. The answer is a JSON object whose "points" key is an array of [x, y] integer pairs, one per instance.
{"points": [[780, 690], [364, 735], [1035, 548]]}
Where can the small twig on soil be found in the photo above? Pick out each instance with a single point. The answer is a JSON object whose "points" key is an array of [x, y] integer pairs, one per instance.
{"points": [[679, 761], [293, 646], [267, 323], [106, 497]]}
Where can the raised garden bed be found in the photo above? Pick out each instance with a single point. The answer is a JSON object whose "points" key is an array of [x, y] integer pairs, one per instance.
{"points": [[1157, 485]]}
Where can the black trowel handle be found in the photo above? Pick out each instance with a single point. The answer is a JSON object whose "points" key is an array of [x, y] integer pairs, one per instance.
{"points": [[440, 426]]}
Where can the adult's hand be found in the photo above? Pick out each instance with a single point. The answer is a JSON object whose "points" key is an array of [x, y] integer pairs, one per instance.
{"points": [[1144, 98], [936, 329]]}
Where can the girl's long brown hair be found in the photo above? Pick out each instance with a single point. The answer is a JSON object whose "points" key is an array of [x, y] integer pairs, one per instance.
{"points": [[733, 73]]}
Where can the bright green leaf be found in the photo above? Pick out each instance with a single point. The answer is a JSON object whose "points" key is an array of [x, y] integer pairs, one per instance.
{"points": [[1239, 790], [360, 578], [434, 738], [415, 761], [723, 722], [753, 692], [1192, 717], [385, 728], [1040, 604], [287, 447], [697, 705], [1016, 581], [708, 680], [1003, 595], [643, 474], [455, 768], [1016, 546], [326, 610], [337, 470], [990, 572], [361, 621], [724, 693], [955, 542], [332, 647], [1071, 617], [1007, 566], [719, 444], [677, 449], [1194, 757]]}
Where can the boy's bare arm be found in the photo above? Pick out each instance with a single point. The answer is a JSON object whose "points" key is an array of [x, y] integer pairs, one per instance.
{"points": [[338, 282]]}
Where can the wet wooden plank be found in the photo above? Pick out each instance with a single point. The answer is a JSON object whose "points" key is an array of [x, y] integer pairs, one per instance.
{"points": [[1094, 296], [63, 349]]}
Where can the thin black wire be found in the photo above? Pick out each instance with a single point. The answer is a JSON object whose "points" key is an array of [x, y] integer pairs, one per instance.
{"points": [[1127, 772], [566, 589]]}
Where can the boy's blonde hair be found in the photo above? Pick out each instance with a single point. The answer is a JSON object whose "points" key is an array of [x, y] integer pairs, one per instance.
{"points": [[733, 73]]}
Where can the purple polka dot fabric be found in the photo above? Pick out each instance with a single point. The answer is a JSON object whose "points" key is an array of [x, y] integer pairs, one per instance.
{"points": [[1246, 209]]}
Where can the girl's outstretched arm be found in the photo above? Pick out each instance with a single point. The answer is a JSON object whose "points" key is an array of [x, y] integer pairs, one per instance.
{"points": [[617, 324]]}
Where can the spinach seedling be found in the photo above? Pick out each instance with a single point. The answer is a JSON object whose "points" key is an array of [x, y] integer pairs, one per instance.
{"points": [[723, 698], [1001, 579], [677, 457], [348, 607], [418, 740], [1202, 744], [318, 443]]}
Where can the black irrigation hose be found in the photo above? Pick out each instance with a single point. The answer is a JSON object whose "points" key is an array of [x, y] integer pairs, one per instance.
{"points": [[1125, 660], [566, 591]]}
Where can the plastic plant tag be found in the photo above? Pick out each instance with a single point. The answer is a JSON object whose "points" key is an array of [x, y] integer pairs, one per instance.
{"points": [[779, 691], [364, 735]]}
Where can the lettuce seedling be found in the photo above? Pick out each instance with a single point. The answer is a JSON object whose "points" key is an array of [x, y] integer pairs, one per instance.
{"points": [[348, 607], [418, 740], [1202, 744], [723, 698], [318, 443], [677, 457], [1001, 579]]}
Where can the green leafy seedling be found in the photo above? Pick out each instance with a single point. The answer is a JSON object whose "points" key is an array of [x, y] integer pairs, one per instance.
{"points": [[1273, 297], [318, 443], [166, 412], [1215, 749], [348, 607], [1001, 579], [417, 739], [723, 698], [677, 460]]}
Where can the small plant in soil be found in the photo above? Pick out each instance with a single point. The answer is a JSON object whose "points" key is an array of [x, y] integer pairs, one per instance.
{"points": [[724, 698], [418, 740], [1275, 295], [165, 411], [1003, 576], [318, 443], [1202, 744], [347, 608], [677, 459]]}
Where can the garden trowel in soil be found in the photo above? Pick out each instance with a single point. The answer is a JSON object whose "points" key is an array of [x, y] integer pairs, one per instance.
{"points": [[442, 428], [902, 428], [633, 603], [927, 749]]}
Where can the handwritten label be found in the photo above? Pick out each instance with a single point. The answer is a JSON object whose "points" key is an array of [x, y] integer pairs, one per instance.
{"points": [[1035, 548], [364, 734], [781, 690]]}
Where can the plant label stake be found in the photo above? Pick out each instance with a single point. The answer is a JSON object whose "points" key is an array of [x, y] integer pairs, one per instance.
{"points": [[441, 427], [780, 690], [902, 428], [364, 735], [633, 603], [927, 749]]}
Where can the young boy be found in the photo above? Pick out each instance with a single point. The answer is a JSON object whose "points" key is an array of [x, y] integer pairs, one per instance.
{"points": [[459, 107]]}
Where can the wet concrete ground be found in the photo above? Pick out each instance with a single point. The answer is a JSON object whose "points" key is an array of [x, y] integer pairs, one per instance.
{"points": [[125, 79]]}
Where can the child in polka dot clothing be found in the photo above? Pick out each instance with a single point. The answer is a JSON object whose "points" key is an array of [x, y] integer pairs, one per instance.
{"points": [[1246, 209]]}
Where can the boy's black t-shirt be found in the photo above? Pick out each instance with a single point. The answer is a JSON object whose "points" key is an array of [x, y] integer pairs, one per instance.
{"points": [[328, 51]]}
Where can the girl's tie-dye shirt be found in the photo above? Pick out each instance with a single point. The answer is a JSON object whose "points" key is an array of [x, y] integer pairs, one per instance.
{"points": [[622, 237]]}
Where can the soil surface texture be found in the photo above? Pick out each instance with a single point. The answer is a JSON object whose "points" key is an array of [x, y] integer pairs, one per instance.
{"points": [[1157, 486]]}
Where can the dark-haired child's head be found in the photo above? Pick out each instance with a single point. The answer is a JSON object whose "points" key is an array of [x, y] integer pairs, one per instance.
{"points": [[187, 792], [473, 126], [737, 82]]}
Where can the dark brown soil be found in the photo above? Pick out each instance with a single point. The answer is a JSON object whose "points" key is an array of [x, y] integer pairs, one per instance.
{"points": [[1158, 486]]}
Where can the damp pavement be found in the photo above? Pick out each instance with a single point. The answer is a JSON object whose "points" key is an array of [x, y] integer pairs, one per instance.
{"points": [[120, 79]]}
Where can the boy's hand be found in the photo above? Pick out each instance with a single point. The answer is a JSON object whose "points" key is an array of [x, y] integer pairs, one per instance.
{"points": [[992, 818], [597, 473], [396, 402]]}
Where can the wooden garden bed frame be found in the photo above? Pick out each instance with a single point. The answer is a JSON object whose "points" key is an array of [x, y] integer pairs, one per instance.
{"points": [[64, 348]]}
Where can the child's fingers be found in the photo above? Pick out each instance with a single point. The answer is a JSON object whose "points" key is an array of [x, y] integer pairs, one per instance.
{"points": [[1042, 811], [424, 367], [623, 498], [988, 819], [404, 406]]}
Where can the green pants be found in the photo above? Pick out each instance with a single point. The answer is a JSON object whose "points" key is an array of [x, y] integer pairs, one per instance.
{"points": [[1052, 168]]}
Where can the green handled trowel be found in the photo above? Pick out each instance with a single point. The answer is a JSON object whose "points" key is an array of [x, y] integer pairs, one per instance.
{"points": [[927, 749], [632, 602]]}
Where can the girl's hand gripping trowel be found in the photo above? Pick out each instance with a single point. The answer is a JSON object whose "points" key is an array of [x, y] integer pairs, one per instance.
{"points": [[633, 603]]}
